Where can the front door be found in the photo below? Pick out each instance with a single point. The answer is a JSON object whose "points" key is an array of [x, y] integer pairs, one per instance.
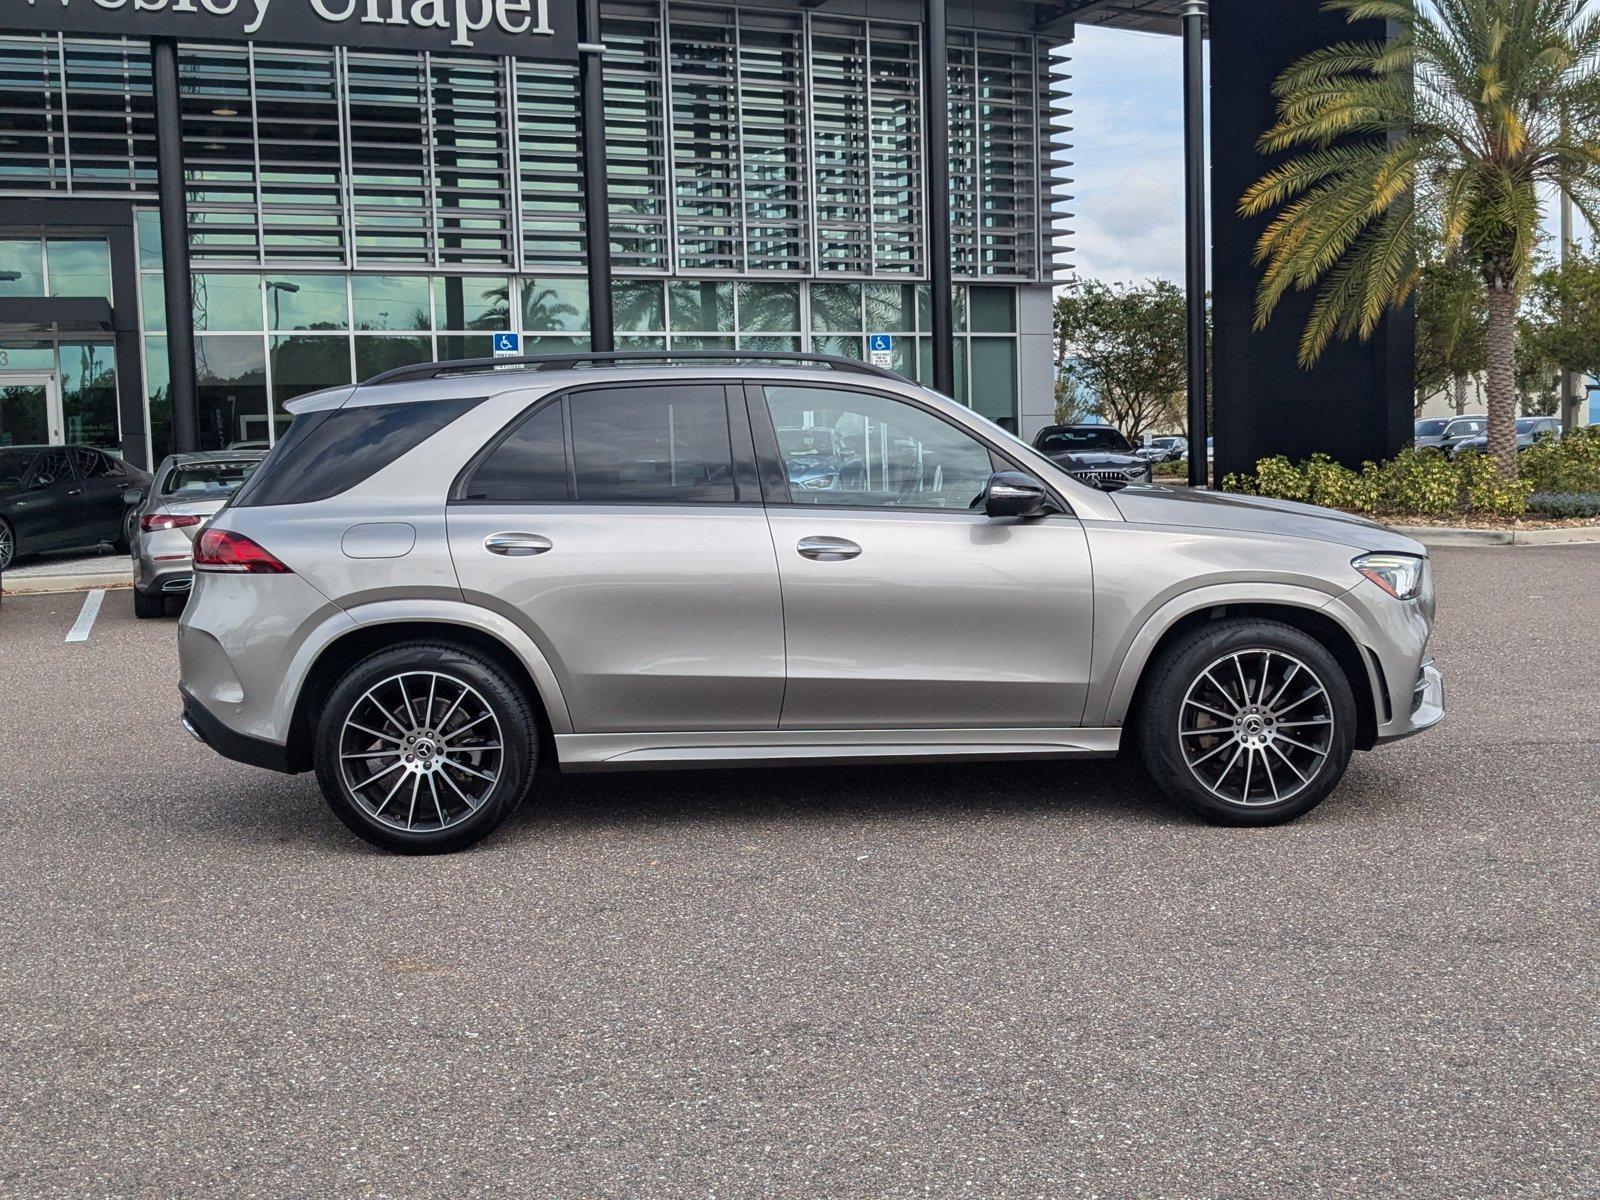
{"points": [[905, 607], [622, 529], [30, 409]]}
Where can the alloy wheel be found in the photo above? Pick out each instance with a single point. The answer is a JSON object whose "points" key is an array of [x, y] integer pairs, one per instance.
{"points": [[1255, 727], [421, 751], [8, 545]]}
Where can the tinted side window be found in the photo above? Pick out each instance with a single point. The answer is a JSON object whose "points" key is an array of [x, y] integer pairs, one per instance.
{"points": [[661, 444], [53, 466], [528, 467], [339, 449]]}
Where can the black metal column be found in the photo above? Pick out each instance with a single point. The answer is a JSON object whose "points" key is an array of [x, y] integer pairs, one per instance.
{"points": [[936, 114], [596, 205], [175, 245], [1194, 146]]}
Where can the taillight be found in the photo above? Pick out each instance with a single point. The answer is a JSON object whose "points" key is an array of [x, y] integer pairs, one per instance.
{"points": [[151, 522], [220, 550]]}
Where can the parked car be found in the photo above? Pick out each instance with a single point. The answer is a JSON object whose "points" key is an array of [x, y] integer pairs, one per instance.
{"points": [[62, 497], [187, 491], [1164, 449], [821, 460], [1443, 433], [449, 575], [1095, 454], [1529, 431]]}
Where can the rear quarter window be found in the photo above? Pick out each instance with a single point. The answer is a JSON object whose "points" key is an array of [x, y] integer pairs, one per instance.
{"points": [[325, 453]]}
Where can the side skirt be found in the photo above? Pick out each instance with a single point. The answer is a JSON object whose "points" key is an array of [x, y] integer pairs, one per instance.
{"points": [[652, 751]]}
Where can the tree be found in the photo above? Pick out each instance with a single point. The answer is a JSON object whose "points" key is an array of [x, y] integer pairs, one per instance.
{"points": [[1125, 345], [1561, 317], [1452, 309], [1455, 122]]}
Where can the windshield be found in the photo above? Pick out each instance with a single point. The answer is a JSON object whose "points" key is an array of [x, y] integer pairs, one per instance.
{"points": [[1462, 428], [1431, 428], [1526, 424], [207, 480], [1076, 439], [13, 463]]}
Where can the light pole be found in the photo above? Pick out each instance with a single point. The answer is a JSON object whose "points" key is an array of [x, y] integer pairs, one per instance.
{"points": [[1194, 145], [277, 287]]}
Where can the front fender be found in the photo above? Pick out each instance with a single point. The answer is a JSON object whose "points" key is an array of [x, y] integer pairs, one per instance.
{"points": [[1112, 694]]}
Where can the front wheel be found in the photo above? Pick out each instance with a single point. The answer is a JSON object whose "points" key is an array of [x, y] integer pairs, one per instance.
{"points": [[8, 545], [425, 748], [1247, 722]]}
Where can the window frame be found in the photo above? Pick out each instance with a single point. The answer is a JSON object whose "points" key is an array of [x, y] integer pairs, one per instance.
{"points": [[775, 488], [747, 489]]}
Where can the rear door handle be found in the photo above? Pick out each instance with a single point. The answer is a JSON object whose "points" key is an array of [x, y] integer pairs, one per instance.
{"points": [[74, 491], [827, 549], [516, 545]]}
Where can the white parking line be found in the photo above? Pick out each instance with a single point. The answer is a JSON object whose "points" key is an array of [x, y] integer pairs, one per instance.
{"points": [[85, 622]]}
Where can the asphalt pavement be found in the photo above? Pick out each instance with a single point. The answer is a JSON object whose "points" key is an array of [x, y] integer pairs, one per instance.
{"points": [[984, 981]]}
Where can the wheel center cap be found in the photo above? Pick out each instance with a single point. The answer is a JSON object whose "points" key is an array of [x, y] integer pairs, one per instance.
{"points": [[425, 749], [1253, 725]]}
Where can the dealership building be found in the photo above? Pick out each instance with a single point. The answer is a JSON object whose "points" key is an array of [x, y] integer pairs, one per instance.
{"points": [[209, 207]]}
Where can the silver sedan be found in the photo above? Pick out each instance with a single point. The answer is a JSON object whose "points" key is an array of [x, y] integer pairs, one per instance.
{"points": [[185, 493]]}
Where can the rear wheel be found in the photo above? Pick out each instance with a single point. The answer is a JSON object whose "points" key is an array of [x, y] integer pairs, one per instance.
{"points": [[1247, 722], [425, 748]]}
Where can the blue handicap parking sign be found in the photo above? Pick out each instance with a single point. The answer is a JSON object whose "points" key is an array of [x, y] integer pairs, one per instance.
{"points": [[507, 343], [881, 342]]}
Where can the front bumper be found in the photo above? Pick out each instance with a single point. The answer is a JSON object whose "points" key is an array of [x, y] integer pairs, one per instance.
{"points": [[1427, 706]]}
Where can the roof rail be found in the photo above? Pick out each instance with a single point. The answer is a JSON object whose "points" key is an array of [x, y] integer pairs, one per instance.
{"points": [[556, 362]]}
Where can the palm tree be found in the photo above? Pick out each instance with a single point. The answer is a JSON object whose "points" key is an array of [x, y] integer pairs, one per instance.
{"points": [[1455, 123]]}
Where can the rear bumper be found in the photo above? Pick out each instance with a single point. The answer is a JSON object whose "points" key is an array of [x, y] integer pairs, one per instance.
{"points": [[254, 752]]}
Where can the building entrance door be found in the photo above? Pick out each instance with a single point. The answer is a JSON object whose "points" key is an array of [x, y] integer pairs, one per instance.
{"points": [[30, 408]]}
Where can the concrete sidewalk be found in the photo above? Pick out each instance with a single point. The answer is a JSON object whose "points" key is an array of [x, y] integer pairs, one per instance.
{"points": [[69, 572]]}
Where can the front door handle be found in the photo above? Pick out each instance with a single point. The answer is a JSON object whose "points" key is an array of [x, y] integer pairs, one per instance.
{"points": [[516, 545], [74, 491], [827, 549]]}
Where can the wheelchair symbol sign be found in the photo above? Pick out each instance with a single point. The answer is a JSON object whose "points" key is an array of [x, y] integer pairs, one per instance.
{"points": [[881, 346], [507, 345]]}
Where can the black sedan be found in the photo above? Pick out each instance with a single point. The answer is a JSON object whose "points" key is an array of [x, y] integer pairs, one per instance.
{"points": [[61, 497], [1529, 431], [1095, 454]]}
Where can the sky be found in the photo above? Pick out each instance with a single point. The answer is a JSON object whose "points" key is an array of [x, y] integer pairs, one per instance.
{"points": [[1127, 156]]}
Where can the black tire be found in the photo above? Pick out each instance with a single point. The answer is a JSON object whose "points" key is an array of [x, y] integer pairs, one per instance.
{"points": [[1174, 684], [8, 544], [148, 605], [497, 691]]}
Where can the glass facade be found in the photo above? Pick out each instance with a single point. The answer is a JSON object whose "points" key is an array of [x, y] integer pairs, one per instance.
{"points": [[352, 211]]}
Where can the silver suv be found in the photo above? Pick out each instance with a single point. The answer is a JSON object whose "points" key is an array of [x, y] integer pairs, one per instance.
{"points": [[454, 574]]}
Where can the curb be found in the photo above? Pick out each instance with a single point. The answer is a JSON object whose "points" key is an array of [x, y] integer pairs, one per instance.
{"points": [[1447, 535], [34, 585]]}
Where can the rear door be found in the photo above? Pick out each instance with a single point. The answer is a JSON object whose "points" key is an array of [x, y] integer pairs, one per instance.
{"points": [[622, 529], [904, 606], [103, 483]]}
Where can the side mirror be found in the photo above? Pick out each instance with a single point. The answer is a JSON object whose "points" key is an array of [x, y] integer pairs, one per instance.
{"points": [[132, 496], [1013, 494]]}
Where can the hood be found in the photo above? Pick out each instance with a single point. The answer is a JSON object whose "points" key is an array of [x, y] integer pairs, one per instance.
{"points": [[1188, 507]]}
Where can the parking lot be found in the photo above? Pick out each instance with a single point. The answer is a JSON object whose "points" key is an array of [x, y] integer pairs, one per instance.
{"points": [[912, 981]]}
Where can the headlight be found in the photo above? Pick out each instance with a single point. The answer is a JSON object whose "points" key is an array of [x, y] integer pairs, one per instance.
{"points": [[820, 483], [1398, 574]]}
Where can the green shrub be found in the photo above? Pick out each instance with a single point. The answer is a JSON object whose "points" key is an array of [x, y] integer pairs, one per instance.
{"points": [[1563, 505], [1569, 464], [1411, 484]]}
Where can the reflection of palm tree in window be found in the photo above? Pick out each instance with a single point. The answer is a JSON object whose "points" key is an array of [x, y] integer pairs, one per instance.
{"points": [[544, 309]]}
